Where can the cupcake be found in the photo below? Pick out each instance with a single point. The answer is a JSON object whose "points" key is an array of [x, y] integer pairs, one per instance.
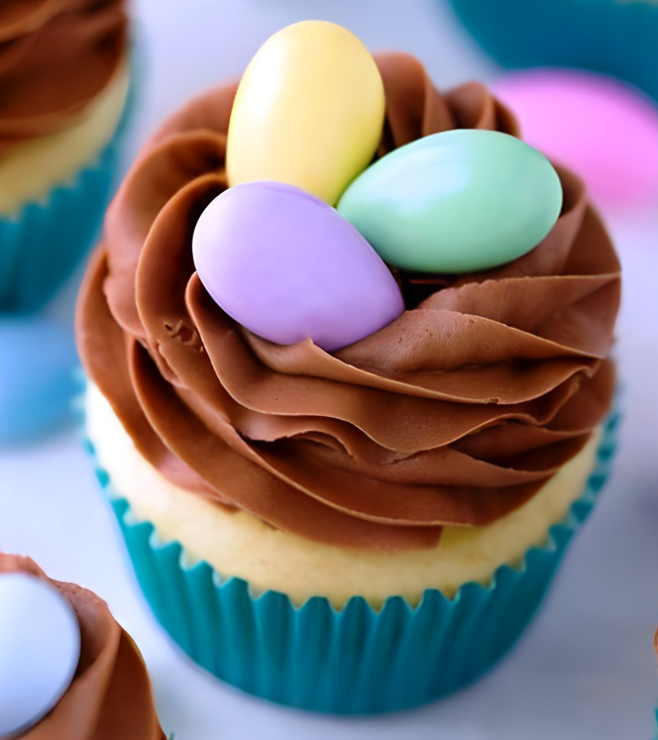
{"points": [[617, 37], [347, 524], [64, 79], [68, 669]]}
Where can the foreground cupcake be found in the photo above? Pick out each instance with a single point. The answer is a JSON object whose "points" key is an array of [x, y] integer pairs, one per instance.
{"points": [[67, 668], [64, 71], [329, 500]]}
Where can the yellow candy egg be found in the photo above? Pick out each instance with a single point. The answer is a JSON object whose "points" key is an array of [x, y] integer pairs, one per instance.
{"points": [[308, 112]]}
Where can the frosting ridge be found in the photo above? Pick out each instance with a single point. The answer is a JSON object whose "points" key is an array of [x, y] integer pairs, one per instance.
{"points": [[454, 414]]}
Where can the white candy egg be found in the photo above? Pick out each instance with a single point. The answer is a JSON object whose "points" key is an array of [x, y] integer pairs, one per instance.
{"points": [[39, 650]]}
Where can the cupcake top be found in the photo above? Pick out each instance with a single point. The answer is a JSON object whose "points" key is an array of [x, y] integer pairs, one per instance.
{"points": [[109, 695], [454, 413], [56, 56]]}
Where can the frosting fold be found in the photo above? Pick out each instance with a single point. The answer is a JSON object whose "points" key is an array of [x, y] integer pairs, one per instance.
{"points": [[56, 56], [110, 696], [456, 413]]}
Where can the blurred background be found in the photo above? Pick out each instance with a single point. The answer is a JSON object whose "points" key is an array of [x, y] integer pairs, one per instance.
{"points": [[587, 668]]}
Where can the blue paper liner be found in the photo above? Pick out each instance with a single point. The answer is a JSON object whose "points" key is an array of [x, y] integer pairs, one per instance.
{"points": [[43, 242], [353, 660], [40, 377], [617, 37]]}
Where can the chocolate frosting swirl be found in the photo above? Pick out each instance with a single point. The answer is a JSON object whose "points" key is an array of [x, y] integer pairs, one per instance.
{"points": [[110, 696], [456, 413], [55, 57]]}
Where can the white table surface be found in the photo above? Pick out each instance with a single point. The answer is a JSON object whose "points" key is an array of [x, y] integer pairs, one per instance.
{"points": [[586, 669]]}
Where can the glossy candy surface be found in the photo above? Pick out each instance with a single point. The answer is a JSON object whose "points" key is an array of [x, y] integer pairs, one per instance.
{"points": [[454, 202], [286, 266], [309, 111], [39, 650]]}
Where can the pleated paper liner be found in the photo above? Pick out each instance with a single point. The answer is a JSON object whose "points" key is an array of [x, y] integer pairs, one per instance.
{"points": [[43, 242], [353, 660], [617, 37]]}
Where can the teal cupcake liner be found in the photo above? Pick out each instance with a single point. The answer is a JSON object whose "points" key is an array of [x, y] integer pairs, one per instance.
{"points": [[43, 242], [617, 37], [354, 660]]}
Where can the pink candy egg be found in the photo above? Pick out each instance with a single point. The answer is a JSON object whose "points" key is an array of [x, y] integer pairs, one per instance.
{"points": [[602, 129]]}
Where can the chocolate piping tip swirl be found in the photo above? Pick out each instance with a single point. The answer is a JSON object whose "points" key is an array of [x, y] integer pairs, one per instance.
{"points": [[110, 696], [456, 413], [56, 56]]}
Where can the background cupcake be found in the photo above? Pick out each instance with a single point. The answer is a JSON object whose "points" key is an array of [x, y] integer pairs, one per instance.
{"points": [[617, 37], [317, 499], [64, 99], [89, 682]]}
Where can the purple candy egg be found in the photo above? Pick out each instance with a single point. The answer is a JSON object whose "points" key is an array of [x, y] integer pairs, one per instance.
{"points": [[288, 267]]}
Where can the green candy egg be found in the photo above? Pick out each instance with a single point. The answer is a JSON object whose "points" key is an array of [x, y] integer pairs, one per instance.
{"points": [[458, 201]]}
